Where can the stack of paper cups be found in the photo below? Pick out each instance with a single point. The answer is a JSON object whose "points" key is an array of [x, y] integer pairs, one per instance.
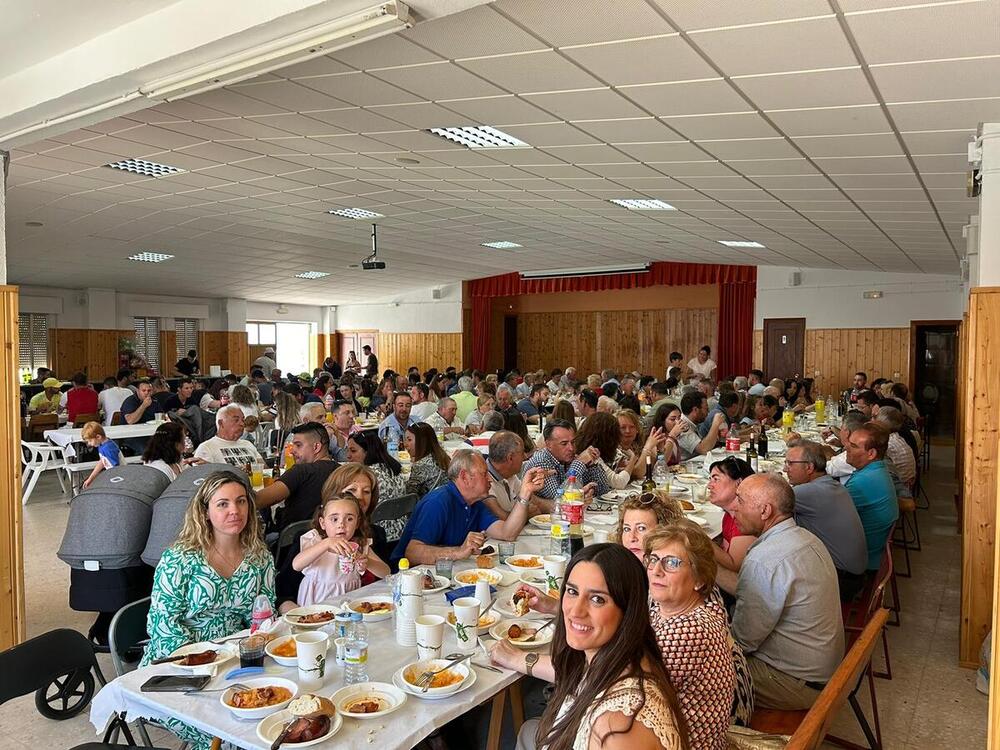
{"points": [[410, 607]]}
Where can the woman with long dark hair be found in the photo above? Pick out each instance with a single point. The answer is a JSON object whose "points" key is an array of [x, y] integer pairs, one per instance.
{"points": [[428, 460], [365, 448], [606, 665], [165, 449]]}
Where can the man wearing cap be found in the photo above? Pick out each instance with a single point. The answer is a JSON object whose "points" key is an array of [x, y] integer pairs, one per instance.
{"points": [[266, 361], [46, 401]]}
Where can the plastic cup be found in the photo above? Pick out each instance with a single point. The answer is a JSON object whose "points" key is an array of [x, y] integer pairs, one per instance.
{"points": [[340, 644], [505, 550], [311, 650], [252, 651], [467, 611], [554, 566], [430, 636], [257, 476]]}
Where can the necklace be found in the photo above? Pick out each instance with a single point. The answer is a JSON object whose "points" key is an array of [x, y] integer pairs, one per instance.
{"points": [[229, 565]]}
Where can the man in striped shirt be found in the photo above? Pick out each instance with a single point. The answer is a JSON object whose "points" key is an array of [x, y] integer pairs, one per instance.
{"points": [[559, 458]]}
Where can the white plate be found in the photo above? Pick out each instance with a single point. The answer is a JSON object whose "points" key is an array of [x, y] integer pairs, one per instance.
{"points": [[378, 598], [398, 681], [494, 576], [688, 478], [257, 682], [417, 668], [499, 631], [617, 494], [689, 515], [389, 696], [542, 521], [270, 727], [223, 654], [292, 615], [535, 560], [441, 582], [534, 578]]}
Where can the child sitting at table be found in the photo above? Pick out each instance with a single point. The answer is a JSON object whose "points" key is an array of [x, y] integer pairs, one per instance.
{"points": [[336, 551], [109, 454]]}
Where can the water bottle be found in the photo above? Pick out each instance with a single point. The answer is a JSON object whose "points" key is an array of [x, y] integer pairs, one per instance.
{"points": [[559, 528], [356, 651], [392, 444]]}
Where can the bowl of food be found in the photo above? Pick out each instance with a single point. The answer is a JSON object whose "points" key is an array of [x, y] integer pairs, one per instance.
{"points": [[474, 576], [522, 633], [283, 651], [203, 654], [373, 608], [689, 478], [441, 683], [311, 617], [521, 563], [309, 720], [368, 700], [486, 622], [262, 696]]}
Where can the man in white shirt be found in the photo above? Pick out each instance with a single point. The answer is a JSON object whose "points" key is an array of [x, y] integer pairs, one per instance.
{"points": [[422, 408], [228, 447], [110, 399], [756, 380], [446, 421], [265, 362], [506, 457], [703, 364]]}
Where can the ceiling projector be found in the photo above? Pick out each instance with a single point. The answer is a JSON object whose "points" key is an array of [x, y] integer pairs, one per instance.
{"points": [[372, 263]]}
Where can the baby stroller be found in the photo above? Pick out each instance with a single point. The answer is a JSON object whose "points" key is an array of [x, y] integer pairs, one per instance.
{"points": [[169, 508], [107, 531]]}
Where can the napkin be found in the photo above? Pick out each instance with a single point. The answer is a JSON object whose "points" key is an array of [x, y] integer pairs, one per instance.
{"points": [[458, 593]]}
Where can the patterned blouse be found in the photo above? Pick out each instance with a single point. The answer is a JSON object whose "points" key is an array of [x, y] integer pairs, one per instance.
{"points": [[389, 485], [425, 475], [699, 659]]}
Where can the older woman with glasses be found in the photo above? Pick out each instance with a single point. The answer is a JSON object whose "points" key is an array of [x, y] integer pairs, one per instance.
{"points": [[692, 631], [723, 480]]}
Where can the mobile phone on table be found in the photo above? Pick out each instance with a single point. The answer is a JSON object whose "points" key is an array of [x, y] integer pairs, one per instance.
{"points": [[175, 683]]}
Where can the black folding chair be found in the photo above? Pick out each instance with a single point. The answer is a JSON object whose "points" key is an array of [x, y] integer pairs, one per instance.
{"points": [[288, 535]]}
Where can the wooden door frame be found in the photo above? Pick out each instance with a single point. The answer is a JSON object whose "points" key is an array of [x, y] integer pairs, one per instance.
{"points": [[764, 341], [914, 324]]}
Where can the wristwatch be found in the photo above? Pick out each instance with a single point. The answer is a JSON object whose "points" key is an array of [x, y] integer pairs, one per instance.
{"points": [[530, 660]]}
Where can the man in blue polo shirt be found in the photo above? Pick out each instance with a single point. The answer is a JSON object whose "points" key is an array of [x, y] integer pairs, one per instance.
{"points": [[452, 523], [871, 487]]}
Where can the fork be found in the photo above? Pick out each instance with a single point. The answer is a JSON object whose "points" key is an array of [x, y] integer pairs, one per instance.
{"points": [[424, 681], [236, 685]]}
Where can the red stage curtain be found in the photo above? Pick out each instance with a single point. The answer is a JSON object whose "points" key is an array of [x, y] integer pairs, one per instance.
{"points": [[737, 311]]}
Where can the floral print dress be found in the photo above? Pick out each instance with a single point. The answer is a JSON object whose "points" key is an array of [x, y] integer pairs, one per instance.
{"points": [[192, 602]]}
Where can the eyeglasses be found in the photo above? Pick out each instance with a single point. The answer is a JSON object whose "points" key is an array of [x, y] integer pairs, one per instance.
{"points": [[667, 564]]}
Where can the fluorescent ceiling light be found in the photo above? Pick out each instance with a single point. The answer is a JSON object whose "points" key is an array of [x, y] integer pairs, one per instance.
{"points": [[643, 204], [150, 257], [143, 167], [739, 243], [503, 245], [556, 273], [480, 136], [311, 275], [355, 213], [300, 46]]}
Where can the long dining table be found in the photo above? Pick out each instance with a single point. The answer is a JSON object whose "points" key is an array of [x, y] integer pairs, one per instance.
{"points": [[417, 718]]}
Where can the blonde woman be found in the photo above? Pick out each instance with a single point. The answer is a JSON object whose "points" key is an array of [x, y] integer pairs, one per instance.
{"points": [[205, 584], [638, 515]]}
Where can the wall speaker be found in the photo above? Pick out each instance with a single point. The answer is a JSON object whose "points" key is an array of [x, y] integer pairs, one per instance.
{"points": [[795, 278], [436, 294]]}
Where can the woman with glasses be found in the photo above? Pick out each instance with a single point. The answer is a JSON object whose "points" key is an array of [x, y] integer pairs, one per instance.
{"points": [[639, 515], [723, 481]]}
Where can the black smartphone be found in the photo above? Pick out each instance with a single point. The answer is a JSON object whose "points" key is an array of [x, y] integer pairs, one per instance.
{"points": [[173, 683]]}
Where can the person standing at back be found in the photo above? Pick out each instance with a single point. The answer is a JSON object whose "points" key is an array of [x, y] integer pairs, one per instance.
{"points": [[187, 366], [702, 364], [265, 362], [371, 361]]}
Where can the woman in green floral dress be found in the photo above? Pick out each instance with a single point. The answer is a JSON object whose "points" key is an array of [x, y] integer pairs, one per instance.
{"points": [[206, 583]]}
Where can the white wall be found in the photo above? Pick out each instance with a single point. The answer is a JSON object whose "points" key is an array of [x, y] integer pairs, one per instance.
{"points": [[296, 313], [414, 312], [833, 299]]}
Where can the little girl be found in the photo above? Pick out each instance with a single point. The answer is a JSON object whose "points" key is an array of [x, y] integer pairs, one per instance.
{"points": [[109, 455], [335, 552]]}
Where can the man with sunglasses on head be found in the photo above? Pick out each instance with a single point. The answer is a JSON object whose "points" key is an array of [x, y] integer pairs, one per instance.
{"points": [[394, 426], [787, 617]]}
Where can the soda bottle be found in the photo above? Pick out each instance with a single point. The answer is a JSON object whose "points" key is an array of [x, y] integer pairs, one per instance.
{"points": [[356, 651], [572, 512]]}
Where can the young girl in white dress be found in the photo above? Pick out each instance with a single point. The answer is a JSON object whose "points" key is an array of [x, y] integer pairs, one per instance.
{"points": [[336, 552]]}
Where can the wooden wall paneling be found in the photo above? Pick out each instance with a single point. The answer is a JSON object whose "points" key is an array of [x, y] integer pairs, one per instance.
{"points": [[400, 351], [69, 351], [757, 357], [12, 616], [979, 502], [213, 349], [168, 352], [837, 353], [238, 352], [102, 352]]}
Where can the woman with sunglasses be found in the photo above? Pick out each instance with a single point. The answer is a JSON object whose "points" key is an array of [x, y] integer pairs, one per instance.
{"points": [[610, 685], [692, 630], [723, 480], [638, 515]]}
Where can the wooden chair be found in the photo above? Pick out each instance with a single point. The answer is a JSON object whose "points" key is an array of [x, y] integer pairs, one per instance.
{"points": [[117, 418], [808, 729], [875, 598], [38, 424], [82, 419]]}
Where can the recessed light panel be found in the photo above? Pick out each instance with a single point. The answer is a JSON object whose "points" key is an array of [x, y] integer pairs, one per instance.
{"points": [[480, 136], [503, 245], [143, 167], [739, 243], [311, 275], [148, 257], [355, 213], [643, 204]]}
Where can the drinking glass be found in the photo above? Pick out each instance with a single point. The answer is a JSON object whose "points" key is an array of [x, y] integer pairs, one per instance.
{"points": [[257, 476], [444, 568], [505, 550], [252, 651]]}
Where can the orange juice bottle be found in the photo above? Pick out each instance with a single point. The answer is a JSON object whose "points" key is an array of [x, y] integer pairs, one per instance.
{"points": [[289, 458]]}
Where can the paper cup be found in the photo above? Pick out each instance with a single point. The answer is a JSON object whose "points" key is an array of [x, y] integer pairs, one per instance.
{"points": [[483, 594], [411, 590], [311, 654], [467, 623], [340, 644], [430, 635], [555, 568]]}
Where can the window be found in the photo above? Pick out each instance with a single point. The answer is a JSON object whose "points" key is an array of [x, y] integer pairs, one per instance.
{"points": [[187, 336], [147, 340], [261, 334], [33, 331]]}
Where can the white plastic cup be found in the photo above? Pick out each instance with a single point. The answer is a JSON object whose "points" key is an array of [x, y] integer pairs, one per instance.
{"points": [[311, 655], [483, 594], [430, 636], [411, 589], [467, 611], [554, 566]]}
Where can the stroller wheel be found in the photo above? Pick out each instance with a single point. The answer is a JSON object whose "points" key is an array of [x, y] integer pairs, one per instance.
{"points": [[65, 696]]}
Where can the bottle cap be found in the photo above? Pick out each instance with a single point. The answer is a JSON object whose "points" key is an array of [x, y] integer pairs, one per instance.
{"points": [[357, 617], [404, 564]]}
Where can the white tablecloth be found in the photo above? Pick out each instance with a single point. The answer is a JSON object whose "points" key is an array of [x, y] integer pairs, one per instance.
{"points": [[66, 437]]}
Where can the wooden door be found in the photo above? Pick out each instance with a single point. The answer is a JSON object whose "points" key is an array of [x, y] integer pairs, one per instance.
{"points": [[348, 344], [509, 343], [367, 338], [784, 347]]}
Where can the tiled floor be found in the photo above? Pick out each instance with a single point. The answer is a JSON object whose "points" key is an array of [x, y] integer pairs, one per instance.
{"points": [[929, 703]]}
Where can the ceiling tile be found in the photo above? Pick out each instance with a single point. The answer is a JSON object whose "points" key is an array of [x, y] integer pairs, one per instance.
{"points": [[944, 115], [850, 145], [830, 88], [532, 72], [951, 79], [473, 33], [629, 62], [757, 148], [698, 15], [672, 99], [436, 81], [359, 88], [566, 22], [942, 142], [602, 104], [845, 120], [284, 96], [388, 51], [732, 125]]}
